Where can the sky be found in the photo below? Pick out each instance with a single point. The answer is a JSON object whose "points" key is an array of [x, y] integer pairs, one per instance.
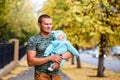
{"points": [[37, 4]]}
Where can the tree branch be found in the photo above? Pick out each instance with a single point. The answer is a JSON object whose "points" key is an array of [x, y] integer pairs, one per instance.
{"points": [[3, 26]]}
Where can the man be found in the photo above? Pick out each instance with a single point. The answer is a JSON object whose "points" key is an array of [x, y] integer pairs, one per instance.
{"points": [[35, 52]]}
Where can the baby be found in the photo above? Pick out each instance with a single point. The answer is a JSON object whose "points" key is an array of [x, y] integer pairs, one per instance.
{"points": [[59, 46]]}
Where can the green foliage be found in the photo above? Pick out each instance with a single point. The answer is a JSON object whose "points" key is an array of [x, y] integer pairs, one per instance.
{"points": [[85, 20], [17, 20]]}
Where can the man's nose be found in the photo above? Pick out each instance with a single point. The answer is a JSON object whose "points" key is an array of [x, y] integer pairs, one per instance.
{"points": [[49, 26]]}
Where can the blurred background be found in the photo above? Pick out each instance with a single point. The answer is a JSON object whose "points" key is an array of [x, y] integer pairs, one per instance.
{"points": [[92, 26], [82, 20]]}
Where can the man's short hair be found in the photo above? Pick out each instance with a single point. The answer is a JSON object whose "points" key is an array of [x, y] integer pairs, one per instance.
{"points": [[42, 16]]}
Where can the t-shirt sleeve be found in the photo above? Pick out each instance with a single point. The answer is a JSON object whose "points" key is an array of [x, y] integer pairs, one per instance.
{"points": [[31, 45]]}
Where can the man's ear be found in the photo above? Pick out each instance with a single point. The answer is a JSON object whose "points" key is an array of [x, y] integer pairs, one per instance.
{"points": [[39, 25]]}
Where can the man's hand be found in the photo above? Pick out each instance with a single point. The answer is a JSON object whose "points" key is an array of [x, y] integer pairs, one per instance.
{"points": [[56, 58]]}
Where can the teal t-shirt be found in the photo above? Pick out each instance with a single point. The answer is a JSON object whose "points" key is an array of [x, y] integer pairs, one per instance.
{"points": [[39, 44]]}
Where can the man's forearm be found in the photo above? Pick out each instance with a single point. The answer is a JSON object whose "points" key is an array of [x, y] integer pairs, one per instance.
{"points": [[38, 61], [67, 55], [34, 61]]}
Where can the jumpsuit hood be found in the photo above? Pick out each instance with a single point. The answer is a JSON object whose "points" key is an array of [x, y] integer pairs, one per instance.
{"points": [[58, 32]]}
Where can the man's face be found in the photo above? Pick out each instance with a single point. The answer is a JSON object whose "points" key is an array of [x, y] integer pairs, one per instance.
{"points": [[46, 25]]}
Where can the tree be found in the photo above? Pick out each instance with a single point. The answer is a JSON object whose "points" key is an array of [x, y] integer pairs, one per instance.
{"points": [[17, 20], [108, 13], [87, 23]]}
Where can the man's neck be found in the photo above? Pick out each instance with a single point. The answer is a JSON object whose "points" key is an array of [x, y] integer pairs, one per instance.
{"points": [[45, 35]]}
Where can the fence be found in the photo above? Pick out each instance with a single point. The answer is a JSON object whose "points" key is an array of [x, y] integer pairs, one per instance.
{"points": [[6, 54], [22, 51], [10, 54]]}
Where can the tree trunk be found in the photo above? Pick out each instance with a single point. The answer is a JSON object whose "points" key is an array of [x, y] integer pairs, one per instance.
{"points": [[78, 58], [101, 67], [72, 61], [78, 62], [103, 46]]}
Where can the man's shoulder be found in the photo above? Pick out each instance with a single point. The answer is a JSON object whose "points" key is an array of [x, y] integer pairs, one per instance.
{"points": [[34, 38]]}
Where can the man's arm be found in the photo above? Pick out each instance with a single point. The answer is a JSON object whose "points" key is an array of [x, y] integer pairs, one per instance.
{"points": [[67, 55], [32, 60]]}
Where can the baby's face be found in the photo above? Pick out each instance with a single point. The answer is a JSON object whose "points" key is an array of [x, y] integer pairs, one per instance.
{"points": [[61, 37]]}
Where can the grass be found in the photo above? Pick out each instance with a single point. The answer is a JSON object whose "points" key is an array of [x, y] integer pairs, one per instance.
{"points": [[87, 72]]}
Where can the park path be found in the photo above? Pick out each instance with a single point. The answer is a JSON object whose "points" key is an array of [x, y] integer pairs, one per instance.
{"points": [[110, 62], [24, 72]]}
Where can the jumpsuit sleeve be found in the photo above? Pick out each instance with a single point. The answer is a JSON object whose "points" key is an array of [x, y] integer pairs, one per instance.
{"points": [[72, 49], [49, 50]]}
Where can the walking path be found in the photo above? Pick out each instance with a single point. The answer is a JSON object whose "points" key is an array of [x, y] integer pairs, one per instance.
{"points": [[111, 63], [87, 72], [24, 72]]}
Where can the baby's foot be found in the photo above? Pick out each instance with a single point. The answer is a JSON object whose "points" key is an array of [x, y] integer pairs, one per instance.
{"points": [[50, 69]]}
